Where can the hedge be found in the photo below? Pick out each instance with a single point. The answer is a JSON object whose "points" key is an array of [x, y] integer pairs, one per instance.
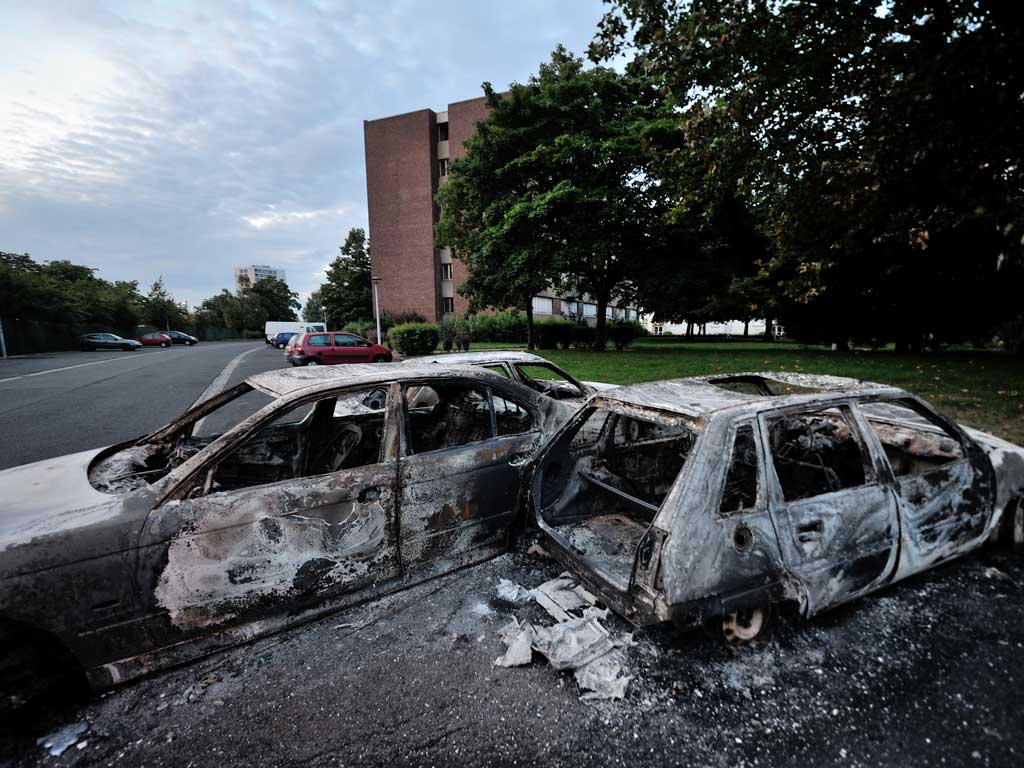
{"points": [[621, 334], [410, 339], [553, 333]]}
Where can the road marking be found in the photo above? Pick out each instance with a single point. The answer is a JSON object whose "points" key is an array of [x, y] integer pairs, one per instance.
{"points": [[65, 368], [218, 384]]}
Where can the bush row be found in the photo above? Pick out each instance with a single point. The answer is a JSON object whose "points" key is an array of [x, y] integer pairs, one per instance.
{"points": [[410, 339], [554, 333]]}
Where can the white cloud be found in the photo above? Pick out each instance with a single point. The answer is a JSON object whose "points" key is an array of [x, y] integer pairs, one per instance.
{"points": [[274, 218]]}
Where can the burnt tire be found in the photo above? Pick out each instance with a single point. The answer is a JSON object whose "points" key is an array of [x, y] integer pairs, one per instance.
{"points": [[1013, 525], [748, 625], [34, 667]]}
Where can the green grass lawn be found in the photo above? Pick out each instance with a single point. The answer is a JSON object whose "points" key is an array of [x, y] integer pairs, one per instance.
{"points": [[983, 389]]}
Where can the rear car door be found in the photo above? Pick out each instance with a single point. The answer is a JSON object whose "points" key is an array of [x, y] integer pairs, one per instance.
{"points": [[464, 447], [239, 546], [350, 349], [836, 516], [943, 481], [319, 345]]}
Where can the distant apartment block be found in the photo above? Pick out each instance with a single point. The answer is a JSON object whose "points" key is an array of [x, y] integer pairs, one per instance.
{"points": [[407, 160], [255, 273]]}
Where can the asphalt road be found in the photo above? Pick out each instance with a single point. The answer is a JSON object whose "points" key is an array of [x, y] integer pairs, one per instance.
{"points": [[928, 672], [61, 403]]}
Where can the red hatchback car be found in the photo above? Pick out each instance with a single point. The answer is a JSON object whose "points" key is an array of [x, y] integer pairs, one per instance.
{"points": [[155, 340], [335, 348]]}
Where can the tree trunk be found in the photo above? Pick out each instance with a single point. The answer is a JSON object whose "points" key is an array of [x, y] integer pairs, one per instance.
{"points": [[769, 325], [529, 323], [599, 330], [746, 328]]}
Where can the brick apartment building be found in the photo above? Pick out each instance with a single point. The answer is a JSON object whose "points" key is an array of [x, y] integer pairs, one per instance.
{"points": [[407, 159]]}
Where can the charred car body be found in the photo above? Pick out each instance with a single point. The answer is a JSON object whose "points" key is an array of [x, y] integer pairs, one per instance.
{"points": [[717, 499], [679, 501], [201, 535]]}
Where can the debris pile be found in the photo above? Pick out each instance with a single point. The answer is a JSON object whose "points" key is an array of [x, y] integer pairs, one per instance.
{"points": [[578, 641]]}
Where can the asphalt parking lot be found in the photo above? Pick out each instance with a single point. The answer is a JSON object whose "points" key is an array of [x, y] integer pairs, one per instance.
{"points": [[924, 673]]}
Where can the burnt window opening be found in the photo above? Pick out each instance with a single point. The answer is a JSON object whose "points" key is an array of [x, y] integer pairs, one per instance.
{"points": [[761, 386], [815, 453], [332, 434], [741, 483], [510, 417], [548, 380], [443, 416], [913, 443]]}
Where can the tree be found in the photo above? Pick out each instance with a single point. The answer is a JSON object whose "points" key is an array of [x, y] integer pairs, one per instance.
{"points": [[879, 144], [553, 188], [347, 293], [277, 300], [160, 309], [313, 312]]}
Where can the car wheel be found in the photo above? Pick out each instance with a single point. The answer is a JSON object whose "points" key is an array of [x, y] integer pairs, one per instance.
{"points": [[1013, 525], [33, 667], [126, 348], [312, 361], [280, 346], [379, 358], [748, 625], [191, 343], [165, 344]]}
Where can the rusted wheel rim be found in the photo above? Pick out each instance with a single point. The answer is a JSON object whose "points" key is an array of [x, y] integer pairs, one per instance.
{"points": [[744, 626]]}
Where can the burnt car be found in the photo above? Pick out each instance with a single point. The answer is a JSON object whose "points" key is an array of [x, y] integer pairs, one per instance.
{"points": [[531, 370], [287, 496], [718, 501]]}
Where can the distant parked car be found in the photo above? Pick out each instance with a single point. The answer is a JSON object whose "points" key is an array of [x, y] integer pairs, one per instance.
{"points": [[281, 340], [177, 337], [290, 344], [155, 340], [335, 348], [107, 341]]}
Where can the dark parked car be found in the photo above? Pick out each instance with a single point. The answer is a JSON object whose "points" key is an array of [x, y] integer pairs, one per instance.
{"points": [[154, 340], [336, 348], [299, 492], [177, 337], [91, 341], [282, 339]]}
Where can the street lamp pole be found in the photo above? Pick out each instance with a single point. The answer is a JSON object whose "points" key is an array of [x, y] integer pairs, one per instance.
{"points": [[376, 303]]}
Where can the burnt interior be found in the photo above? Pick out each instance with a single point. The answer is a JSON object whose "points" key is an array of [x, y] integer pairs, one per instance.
{"points": [[913, 444], [815, 453], [450, 415], [334, 433], [760, 386], [602, 483]]}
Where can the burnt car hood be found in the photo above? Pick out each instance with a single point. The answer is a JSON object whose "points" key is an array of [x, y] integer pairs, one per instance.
{"points": [[47, 500]]}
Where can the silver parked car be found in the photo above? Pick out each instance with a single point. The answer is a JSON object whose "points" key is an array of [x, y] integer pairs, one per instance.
{"points": [[91, 341]]}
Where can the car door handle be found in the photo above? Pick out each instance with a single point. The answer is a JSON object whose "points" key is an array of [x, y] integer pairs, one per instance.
{"points": [[811, 531], [369, 494], [519, 459]]}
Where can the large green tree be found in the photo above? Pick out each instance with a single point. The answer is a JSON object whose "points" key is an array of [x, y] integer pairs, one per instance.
{"points": [[278, 301], [879, 144], [160, 309], [553, 188], [347, 293]]}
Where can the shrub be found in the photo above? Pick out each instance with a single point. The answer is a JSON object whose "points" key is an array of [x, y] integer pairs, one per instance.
{"points": [[553, 333], [410, 339], [622, 334], [582, 336], [359, 328]]}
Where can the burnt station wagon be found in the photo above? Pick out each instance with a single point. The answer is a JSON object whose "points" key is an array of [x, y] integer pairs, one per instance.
{"points": [[714, 500]]}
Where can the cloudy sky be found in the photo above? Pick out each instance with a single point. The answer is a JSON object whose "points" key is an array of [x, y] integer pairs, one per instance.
{"points": [[182, 138]]}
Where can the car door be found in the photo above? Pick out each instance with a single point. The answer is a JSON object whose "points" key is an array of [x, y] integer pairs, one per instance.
{"points": [[325, 532], [318, 345], [836, 516], [350, 349], [943, 481], [464, 447]]}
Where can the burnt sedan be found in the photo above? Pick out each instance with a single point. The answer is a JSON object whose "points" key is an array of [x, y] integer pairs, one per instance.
{"points": [[287, 496], [717, 501]]}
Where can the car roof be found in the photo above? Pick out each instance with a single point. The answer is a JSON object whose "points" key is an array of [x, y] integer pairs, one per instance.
{"points": [[283, 381], [481, 358], [700, 396]]}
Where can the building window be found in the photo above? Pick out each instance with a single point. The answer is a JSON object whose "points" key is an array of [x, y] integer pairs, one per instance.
{"points": [[446, 271], [542, 306], [590, 310], [569, 307], [442, 167], [442, 131], [449, 305]]}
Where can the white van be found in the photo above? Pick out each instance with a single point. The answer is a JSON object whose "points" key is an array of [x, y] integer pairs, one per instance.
{"points": [[275, 327]]}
